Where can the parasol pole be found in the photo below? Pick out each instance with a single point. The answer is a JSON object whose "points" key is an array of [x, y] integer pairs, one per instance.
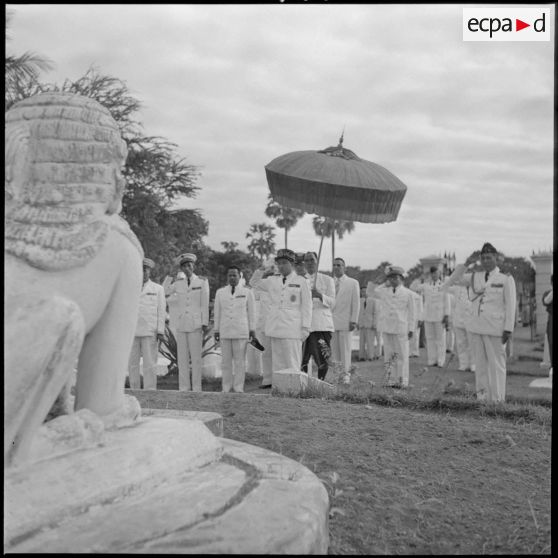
{"points": [[319, 254]]}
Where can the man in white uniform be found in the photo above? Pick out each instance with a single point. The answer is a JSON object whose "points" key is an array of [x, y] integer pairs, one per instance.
{"points": [[397, 322], [290, 314], [414, 350], [234, 317], [149, 330], [345, 314], [491, 323], [263, 307], [460, 316], [188, 300], [436, 315], [366, 326], [323, 300]]}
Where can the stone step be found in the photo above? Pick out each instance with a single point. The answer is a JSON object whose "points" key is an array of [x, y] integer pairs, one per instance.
{"points": [[242, 500], [128, 460], [213, 421]]}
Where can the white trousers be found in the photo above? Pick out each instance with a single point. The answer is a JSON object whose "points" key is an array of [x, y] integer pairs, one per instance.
{"points": [[253, 361], [285, 353], [341, 348], [266, 357], [435, 334], [414, 348], [189, 347], [145, 347], [233, 364], [258, 362], [450, 339], [489, 356], [397, 344], [463, 348], [370, 343]]}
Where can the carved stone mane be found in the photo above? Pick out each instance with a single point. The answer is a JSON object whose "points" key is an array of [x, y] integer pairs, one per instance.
{"points": [[63, 188]]}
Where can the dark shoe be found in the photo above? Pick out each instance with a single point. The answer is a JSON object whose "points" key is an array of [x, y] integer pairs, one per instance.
{"points": [[264, 387]]}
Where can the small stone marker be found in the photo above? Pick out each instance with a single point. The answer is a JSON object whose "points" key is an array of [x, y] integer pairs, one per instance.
{"points": [[289, 381], [545, 383], [320, 388]]}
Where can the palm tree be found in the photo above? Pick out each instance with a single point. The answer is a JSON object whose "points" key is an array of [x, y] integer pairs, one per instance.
{"points": [[285, 217], [324, 226], [261, 242], [22, 72]]}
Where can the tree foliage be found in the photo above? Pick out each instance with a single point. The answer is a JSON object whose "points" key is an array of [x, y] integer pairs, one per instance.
{"points": [[376, 275], [285, 217], [324, 226], [413, 273], [22, 72], [262, 243]]}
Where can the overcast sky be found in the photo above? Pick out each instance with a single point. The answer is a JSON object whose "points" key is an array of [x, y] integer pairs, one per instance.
{"points": [[467, 126]]}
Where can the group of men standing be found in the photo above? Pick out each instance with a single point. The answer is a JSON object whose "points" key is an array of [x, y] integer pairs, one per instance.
{"points": [[307, 315], [294, 314]]}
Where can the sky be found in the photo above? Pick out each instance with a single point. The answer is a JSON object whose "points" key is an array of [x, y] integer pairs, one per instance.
{"points": [[467, 126]]}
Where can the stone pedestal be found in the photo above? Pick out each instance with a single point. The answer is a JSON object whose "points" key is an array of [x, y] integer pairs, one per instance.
{"points": [[165, 485], [211, 366], [543, 271], [289, 382], [320, 388], [542, 383]]}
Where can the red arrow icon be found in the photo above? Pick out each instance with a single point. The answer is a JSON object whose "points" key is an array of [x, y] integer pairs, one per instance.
{"points": [[519, 25]]}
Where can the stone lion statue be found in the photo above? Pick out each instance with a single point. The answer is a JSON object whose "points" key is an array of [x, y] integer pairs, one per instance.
{"points": [[73, 267]]}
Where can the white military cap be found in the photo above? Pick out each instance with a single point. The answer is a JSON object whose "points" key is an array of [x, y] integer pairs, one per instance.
{"points": [[179, 260], [395, 270], [148, 263]]}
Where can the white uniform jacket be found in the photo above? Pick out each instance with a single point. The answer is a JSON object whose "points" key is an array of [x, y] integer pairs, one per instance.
{"points": [[493, 301], [152, 310], [396, 310], [461, 307], [347, 303], [367, 317], [262, 303], [188, 305], [234, 315], [419, 307], [290, 304], [436, 300], [322, 316]]}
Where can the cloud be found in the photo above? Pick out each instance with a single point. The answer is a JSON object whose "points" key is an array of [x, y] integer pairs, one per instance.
{"points": [[466, 126]]}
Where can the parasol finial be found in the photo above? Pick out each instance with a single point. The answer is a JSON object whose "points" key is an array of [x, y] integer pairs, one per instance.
{"points": [[341, 138]]}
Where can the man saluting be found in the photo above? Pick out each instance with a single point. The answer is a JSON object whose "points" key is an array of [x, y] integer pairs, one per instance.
{"points": [[491, 323], [290, 311]]}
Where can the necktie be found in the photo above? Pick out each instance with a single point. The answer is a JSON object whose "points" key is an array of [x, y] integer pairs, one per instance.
{"points": [[365, 303], [188, 281], [284, 279], [394, 289], [232, 289], [486, 276], [336, 286]]}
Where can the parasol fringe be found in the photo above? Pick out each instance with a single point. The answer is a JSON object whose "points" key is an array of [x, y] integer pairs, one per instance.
{"points": [[372, 206]]}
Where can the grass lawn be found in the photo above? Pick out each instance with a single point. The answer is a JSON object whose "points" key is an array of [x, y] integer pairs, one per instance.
{"points": [[427, 470]]}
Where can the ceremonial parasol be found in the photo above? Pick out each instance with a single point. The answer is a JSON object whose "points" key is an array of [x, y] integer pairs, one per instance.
{"points": [[335, 183]]}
